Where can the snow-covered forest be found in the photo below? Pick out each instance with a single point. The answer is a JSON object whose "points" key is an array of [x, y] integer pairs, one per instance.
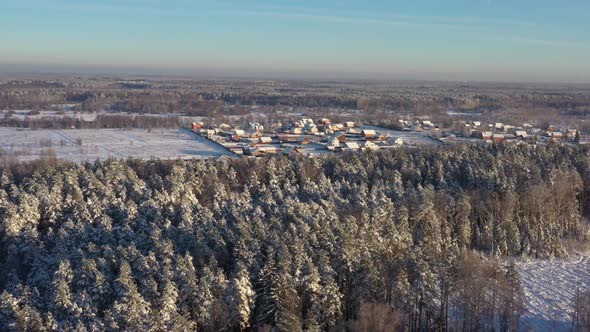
{"points": [[399, 240]]}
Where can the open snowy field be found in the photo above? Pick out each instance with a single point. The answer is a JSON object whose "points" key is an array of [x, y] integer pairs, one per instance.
{"points": [[91, 144], [411, 138], [550, 287]]}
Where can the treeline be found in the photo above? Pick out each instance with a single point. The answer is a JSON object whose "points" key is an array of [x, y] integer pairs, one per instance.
{"points": [[196, 97], [102, 121], [406, 239]]}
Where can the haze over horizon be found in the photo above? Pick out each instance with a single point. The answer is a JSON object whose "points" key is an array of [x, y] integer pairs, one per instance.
{"points": [[424, 39]]}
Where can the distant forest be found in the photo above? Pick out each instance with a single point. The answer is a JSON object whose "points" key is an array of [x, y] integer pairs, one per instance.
{"points": [[520, 103], [414, 240]]}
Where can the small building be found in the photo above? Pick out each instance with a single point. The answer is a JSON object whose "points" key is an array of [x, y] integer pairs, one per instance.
{"points": [[262, 150], [476, 123], [499, 126], [498, 138], [334, 142], [291, 150], [521, 134], [337, 127], [256, 134], [572, 133], [368, 145], [311, 130], [349, 124], [256, 126], [296, 131], [486, 135], [303, 140], [353, 131], [197, 125], [417, 128], [369, 133], [265, 140], [341, 137], [288, 138], [237, 150], [353, 146], [557, 135], [208, 132]]}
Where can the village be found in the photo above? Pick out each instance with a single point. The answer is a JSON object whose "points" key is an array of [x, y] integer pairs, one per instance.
{"points": [[309, 137]]}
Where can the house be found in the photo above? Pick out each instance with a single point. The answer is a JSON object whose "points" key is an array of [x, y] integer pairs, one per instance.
{"points": [[521, 134], [288, 138], [276, 126], [499, 126], [296, 131], [353, 146], [486, 135], [368, 133], [551, 129], [397, 141], [476, 123], [325, 122], [305, 123], [303, 140], [262, 150], [341, 137], [498, 138], [416, 127], [290, 150], [311, 130], [337, 127], [557, 135], [427, 124], [197, 125], [353, 131], [265, 140], [349, 124], [572, 133], [334, 142], [256, 126], [237, 149], [208, 132], [368, 145], [239, 133]]}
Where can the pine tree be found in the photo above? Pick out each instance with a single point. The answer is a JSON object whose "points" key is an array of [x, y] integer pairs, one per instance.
{"points": [[240, 298], [129, 311]]}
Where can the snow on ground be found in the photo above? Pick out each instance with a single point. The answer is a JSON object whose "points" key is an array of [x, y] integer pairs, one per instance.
{"points": [[411, 138], [104, 143], [550, 287]]}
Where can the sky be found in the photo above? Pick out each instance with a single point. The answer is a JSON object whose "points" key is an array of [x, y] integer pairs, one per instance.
{"points": [[503, 40]]}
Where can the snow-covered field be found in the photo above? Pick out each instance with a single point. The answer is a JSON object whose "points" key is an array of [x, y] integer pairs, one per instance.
{"points": [[411, 138], [550, 287], [91, 144], [85, 116]]}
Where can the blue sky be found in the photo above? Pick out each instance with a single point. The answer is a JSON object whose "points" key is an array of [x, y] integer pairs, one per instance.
{"points": [[525, 40]]}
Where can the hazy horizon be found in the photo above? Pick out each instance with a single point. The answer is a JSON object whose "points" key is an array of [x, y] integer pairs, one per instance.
{"points": [[484, 40]]}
